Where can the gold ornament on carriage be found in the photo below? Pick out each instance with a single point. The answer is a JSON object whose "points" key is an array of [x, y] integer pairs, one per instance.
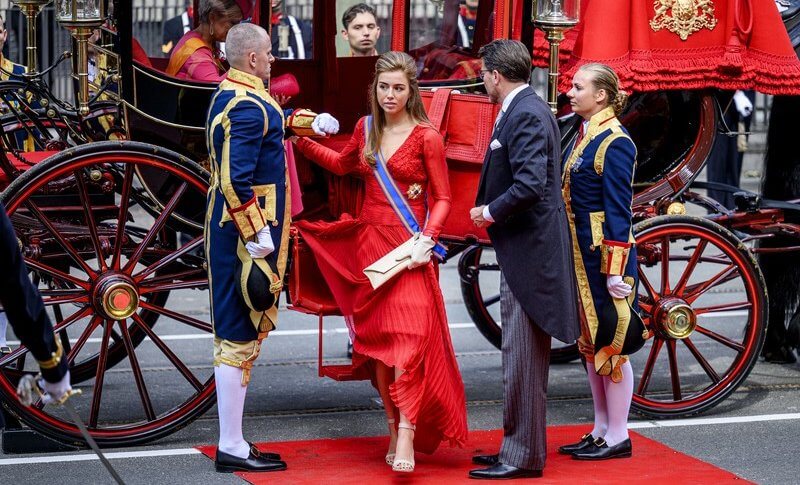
{"points": [[414, 191], [683, 17]]}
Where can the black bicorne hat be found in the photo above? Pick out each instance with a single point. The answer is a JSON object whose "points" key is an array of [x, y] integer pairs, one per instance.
{"points": [[635, 336], [258, 287]]}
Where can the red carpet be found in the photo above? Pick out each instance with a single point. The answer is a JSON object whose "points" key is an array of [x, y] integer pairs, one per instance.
{"points": [[359, 461]]}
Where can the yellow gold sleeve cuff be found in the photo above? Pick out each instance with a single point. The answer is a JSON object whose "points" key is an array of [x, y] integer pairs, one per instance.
{"points": [[614, 257], [299, 122], [248, 217], [55, 358]]}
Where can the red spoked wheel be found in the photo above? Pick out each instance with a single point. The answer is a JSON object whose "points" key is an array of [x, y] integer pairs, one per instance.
{"points": [[480, 287], [703, 296], [108, 267]]}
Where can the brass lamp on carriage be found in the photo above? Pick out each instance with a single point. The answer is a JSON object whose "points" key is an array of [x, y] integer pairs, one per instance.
{"points": [[554, 17], [31, 9], [81, 17]]}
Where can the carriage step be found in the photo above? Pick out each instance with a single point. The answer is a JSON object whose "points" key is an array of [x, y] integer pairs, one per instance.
{"points": [[338, 372]]}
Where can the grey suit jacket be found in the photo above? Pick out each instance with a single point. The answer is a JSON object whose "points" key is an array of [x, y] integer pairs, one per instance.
{"points": [[521, 183]]}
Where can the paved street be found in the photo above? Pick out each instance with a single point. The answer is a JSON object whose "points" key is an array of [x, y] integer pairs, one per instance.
{"points": [[748, 434]]}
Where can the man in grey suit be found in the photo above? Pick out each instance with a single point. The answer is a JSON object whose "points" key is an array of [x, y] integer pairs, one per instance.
{"points": [[519, 199]]}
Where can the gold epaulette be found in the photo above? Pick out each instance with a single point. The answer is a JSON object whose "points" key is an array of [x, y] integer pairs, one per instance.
{"points": [[299, 122]]}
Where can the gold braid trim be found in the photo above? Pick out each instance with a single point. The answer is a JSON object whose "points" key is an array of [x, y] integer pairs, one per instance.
{"points": [[55, 357]]}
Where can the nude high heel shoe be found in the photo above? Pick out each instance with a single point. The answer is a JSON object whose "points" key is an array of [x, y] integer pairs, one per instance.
{"points": [[390, 455], [402, 465]]}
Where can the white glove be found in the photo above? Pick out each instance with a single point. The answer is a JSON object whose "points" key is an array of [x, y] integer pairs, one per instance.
{"points": [[743, 104], [55, 391], [421, 251], [325, 124], [263, 246], [617, 287]]}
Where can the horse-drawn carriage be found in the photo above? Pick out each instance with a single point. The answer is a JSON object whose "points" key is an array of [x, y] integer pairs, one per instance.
{"points": [[112, 230]]}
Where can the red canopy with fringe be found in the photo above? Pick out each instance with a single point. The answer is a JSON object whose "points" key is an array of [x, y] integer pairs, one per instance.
{"points": [[682, 44]]}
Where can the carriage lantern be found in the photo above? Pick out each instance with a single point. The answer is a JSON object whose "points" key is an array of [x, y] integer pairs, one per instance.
{"points": [[81, 17], [555, 17], [31, 8]]}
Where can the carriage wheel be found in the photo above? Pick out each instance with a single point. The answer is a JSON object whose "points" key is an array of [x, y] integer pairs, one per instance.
{"points": [[125, 269], [704, 298], [480, 287]]}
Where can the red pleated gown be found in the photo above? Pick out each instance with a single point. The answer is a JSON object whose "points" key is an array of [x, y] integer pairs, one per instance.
{"points": [[403, 323]]}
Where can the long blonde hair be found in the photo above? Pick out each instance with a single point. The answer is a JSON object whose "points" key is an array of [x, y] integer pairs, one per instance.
{"points": [[390, 62], [603, 77]]}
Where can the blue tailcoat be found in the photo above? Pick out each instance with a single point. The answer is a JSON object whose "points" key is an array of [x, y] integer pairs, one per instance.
{"points": [[598, 191], [245, 132]]}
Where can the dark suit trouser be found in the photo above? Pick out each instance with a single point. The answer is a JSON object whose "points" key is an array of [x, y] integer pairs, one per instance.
{"points": [[526, 364]]}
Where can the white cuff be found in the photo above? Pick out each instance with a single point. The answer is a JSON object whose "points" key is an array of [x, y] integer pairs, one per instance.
{"points": [[486, 214]]}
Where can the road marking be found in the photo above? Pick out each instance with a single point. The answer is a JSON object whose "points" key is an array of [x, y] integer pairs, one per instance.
{"points": [[671, 423], [276, 333], [91, 456], [88, 456]]}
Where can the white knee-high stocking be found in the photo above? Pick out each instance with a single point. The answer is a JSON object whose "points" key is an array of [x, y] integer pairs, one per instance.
{"points": [[599, 402], [230, 405], [618, 400]]}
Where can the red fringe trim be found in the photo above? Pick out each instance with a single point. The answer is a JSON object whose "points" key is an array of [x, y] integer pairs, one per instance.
{"points": [[712, 67]]}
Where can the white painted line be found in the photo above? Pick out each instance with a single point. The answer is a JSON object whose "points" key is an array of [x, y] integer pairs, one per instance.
{"points": [[711, 421], [88, 456], [91, 456], [276, 333]]}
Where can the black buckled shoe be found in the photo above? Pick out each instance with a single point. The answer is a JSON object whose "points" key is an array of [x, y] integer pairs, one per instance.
{"points": [[265, 454], [501, 471], [486, 460], [255, 462], [585, 442], [601, 451]]}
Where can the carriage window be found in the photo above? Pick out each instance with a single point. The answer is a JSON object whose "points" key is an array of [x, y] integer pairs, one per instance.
{"points": [[291, 31], [365, 29], [441, 37]]}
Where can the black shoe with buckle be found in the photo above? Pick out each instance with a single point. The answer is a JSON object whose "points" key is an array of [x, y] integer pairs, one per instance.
{"points": [[255, 462], [601, 451], [5, 349], [501, 471], [486, 460], [586, 441], [265, 454]]}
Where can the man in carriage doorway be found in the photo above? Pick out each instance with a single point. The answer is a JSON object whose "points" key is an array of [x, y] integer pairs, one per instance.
{"points": [[176, 27], [361, 30], [247, 229], [291, 37]]}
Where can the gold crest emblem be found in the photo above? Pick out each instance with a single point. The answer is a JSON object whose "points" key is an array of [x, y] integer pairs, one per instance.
{"points": [[683, 17], [414, 191]]}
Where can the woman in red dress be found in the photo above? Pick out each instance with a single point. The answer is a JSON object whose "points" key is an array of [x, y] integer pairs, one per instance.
{"points": [[400, 333]]}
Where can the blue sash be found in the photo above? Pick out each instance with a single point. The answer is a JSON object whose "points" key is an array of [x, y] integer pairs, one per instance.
{"points": [[395, 198]]}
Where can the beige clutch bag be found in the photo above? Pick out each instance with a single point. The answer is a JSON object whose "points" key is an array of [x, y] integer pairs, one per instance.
{"points": [[390, 265]]}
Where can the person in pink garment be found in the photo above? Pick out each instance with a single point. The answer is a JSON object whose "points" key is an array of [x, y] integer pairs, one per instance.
{"points": [[196, 56]]}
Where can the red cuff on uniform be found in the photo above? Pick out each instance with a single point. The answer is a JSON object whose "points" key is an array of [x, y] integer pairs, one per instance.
{"points": [[614, 257], [248, 217]]}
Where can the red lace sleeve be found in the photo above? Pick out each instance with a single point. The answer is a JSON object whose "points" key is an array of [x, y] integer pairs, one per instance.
{"points": [[438, 182], [340, 163]]}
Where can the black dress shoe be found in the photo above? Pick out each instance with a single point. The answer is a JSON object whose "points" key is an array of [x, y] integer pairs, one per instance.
{"points": [[500, 471], [601, 451], [265, 454], [225, 463], [485, 460], [585, 442]]}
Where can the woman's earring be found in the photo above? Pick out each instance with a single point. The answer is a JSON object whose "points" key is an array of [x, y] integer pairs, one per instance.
{"points": [[212, 30]]}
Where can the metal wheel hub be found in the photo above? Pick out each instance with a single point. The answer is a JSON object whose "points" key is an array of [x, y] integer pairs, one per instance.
{"points": [[116, 297], [675, 318]]}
